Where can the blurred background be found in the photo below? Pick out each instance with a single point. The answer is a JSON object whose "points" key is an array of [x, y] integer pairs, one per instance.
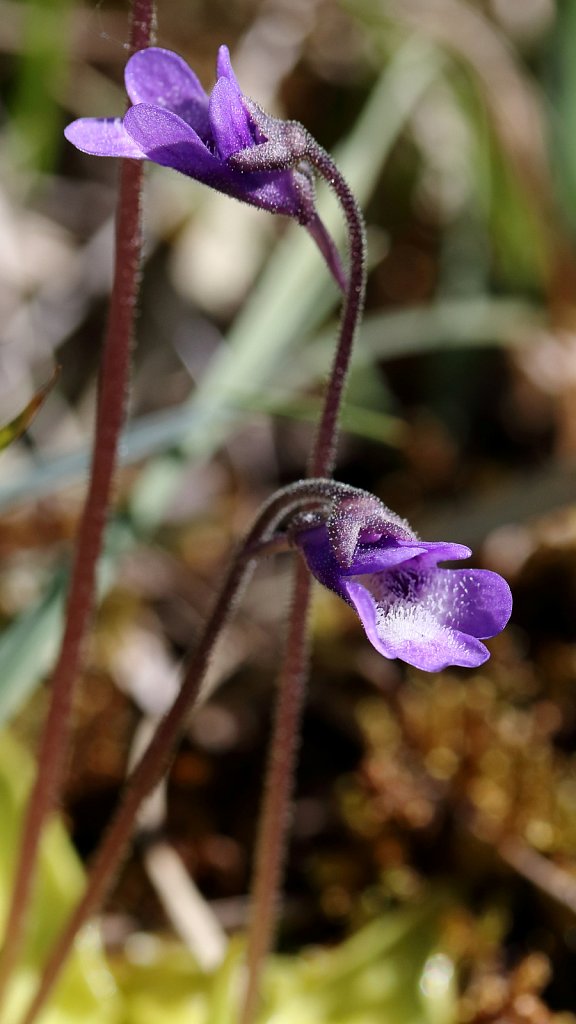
{"points": [[454, 121]]}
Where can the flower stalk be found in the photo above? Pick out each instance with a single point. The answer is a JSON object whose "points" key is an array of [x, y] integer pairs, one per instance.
{"points": [[323, 456], [272, 843], [177, 137], [348, 540], [275, 816], [113, 384], [157, 756]]}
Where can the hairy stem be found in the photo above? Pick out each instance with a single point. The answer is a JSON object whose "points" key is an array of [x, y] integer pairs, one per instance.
{"points": [[155, 761], [322, 459], [113, 382], [287, 145], [279, 785], [276, 811]]}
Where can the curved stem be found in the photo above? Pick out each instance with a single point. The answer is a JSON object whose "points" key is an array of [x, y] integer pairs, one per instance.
{"points": [[155, 761], [323, 455], [286, 145], [114, 374], [278, 790]]}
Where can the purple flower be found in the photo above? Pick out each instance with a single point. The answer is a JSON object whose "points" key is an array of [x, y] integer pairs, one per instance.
{"points": [[410, 607], [175, 123]]}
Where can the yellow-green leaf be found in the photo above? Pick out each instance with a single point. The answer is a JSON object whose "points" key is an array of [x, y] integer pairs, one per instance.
{"points": [[16, 427]]}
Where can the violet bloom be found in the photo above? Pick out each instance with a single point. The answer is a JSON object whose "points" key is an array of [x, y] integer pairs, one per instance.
{"points": [[409, 606], [175, 123]]}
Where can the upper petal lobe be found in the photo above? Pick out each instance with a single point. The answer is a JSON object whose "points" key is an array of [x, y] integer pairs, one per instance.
{"points": [[224, 68], [163, 79], [229, 120], [166, 139]]}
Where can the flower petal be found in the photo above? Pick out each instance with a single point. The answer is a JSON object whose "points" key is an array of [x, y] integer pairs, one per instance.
{"points": [[161, 78], [369, 560], [229, 121], [475, 601], [168, 140], [224, 68], [103, 136], [442, 551], [411, 632], [382, 555]]}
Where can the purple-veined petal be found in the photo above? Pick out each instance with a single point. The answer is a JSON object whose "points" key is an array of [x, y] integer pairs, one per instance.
{"points": [[161, 78], [411, 632], [475, 601], [103, 136], [229, 121], [168, 140]]}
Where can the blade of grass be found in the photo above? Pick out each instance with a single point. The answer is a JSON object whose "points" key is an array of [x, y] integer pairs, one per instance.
{"points": [[450, 323], [16, 427], [367, 423], [29, 646]]}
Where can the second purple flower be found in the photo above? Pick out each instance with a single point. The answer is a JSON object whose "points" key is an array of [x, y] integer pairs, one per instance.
{"points": [[409, 605]]}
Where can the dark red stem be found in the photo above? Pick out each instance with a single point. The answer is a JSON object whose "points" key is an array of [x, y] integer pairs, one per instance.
{"points": [[322, 459], [276, 811], [156, 759], [278, 793], [113, 384]]}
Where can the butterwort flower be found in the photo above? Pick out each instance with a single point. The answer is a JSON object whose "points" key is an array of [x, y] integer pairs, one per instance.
{"points": [[410, 606], [173, 122]]}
